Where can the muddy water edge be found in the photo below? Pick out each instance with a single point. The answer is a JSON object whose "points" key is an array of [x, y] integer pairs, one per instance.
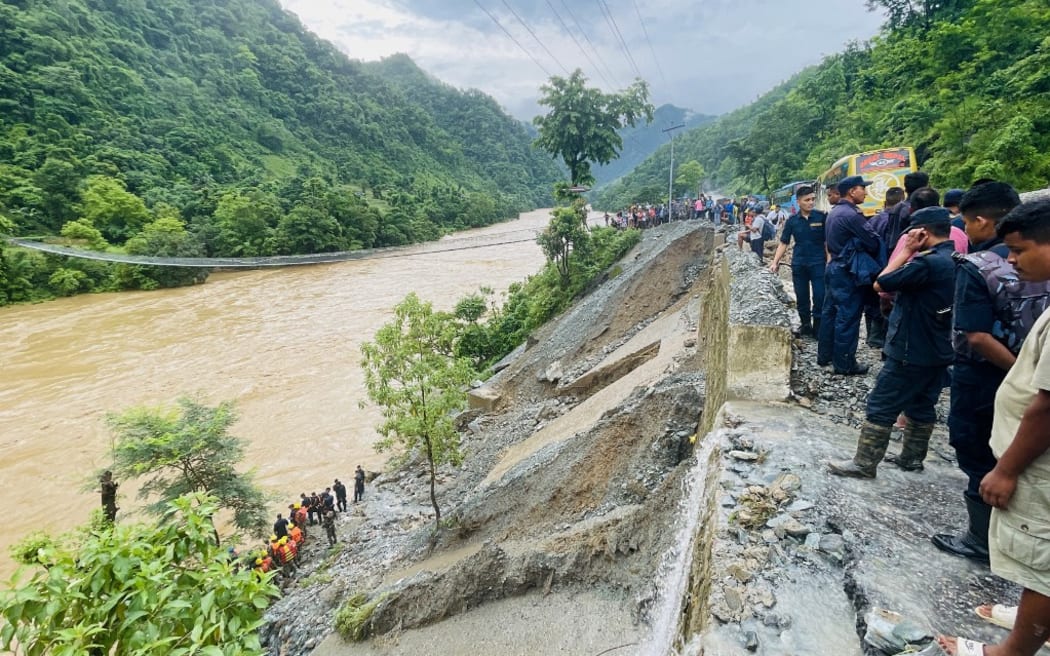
{"points": [[283, 343]]}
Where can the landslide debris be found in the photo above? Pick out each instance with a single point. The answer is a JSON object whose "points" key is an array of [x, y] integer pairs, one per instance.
{"points": [[569, 486]]}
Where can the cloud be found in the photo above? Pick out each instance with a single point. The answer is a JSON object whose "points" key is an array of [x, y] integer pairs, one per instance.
{"points": [[710, 56]]}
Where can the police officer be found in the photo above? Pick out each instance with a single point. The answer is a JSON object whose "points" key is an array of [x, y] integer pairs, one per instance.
{"points": [[807, 260], [847, 232], [918, 347]]}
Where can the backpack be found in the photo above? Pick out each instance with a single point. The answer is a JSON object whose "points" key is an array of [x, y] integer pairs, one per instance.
{"points": [[769, 230], [1017, 303]]}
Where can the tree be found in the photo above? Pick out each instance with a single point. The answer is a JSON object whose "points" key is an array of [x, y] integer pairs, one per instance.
{"points": [[165, 237], [565, 235], [583, 124], [413, 374], [110, 207], [136, 590], [689, 176], [187, 450], [82, 231]]}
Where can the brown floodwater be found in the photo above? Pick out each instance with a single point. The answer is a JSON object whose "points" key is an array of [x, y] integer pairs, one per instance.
{"points": [[283, 343]]}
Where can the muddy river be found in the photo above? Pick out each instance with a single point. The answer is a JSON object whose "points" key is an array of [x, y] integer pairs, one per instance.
{"points": [[283, 343]]}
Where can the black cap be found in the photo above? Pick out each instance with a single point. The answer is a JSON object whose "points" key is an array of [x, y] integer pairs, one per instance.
{"points": [[930, 216], [853, 181]]}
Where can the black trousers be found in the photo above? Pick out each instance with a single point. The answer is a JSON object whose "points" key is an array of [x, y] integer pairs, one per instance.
{"points": [[970, 429]]}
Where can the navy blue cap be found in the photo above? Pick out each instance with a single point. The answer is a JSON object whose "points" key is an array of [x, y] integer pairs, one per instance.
{"points": [[930, 216], [846, 184], [953, 197]]}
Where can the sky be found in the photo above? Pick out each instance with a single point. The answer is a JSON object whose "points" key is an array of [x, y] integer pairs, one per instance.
{"points": [[710, 56]]}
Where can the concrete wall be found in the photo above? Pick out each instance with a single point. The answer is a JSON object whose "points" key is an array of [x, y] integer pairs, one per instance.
{"points": [[759, 339]]}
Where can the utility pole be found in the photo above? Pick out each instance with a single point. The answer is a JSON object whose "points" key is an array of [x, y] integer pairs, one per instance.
{"points": [[670, 175]]}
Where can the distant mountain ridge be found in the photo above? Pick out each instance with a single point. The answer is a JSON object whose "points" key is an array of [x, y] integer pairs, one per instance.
{"points": [[643, 140]]}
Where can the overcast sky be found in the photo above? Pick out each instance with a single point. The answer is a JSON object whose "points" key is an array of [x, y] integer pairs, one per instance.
{"points": [[710, 56]]}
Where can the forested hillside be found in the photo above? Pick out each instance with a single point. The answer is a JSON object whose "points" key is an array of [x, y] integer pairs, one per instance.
{"points": [[967, 82], [190, 127], [643, 139]]}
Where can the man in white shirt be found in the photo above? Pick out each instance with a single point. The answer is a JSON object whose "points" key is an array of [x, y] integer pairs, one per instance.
{"points": [[758, 244], [1018, 488]]}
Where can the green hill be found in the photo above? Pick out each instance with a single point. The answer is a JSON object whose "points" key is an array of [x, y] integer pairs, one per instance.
{"points": [[237, 129], [643, 139], [967, 84]]}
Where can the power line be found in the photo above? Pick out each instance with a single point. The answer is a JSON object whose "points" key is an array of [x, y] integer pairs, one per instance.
{"points": [[649, 41], [578, 45], [616, 32], [511, 37], [565, 5], [529, 30]]}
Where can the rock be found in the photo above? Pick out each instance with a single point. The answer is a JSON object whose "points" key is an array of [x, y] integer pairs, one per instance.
{"points": [[800, 505], [813, 541], [770, 536], [746, 456], [689, 342], [892, 633], [795, 528], [751, 641], [805, 402], [734, 598], [483, 398], [740, 572], [779, 520], [788, 482], [832, 544], [554, 372]]}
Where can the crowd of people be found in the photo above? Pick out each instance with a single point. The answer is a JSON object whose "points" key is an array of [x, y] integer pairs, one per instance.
{"points": [[954, 294], [719, 211], [281, 552]]}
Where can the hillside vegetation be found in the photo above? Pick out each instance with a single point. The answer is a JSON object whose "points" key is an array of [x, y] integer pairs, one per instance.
{"points": [[189, 127], [967, 82], [643, 139]]}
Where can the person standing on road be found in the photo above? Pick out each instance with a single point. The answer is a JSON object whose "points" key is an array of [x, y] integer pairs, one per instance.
{"points": [[847, 235], [994, 312], [807, 259], [756, 238], [918, 348]]}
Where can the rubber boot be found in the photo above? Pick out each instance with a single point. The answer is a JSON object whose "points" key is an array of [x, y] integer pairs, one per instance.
{"points": [[972, 544], [871, 447], [916, 443]]}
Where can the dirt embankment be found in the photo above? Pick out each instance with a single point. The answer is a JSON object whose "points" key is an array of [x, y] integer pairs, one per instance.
{"points": [[569, 490]]}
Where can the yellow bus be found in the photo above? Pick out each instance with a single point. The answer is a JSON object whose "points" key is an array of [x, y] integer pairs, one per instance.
{"points": [[884, 168]]}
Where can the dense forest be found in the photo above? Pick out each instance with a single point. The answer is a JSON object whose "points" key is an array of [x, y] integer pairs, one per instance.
{"points": [[966, 82], [196, 128]]}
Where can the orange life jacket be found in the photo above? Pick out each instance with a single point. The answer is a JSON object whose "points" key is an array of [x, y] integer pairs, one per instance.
{"points": [[296, 534]]}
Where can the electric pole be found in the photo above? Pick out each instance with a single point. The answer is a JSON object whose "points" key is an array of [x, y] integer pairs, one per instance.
{"points": [[670, 175]]}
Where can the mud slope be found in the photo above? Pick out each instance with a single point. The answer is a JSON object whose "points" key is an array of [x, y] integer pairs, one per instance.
{"points": [[569, 487]]}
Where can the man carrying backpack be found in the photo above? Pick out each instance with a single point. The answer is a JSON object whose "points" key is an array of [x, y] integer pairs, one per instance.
{"points": [[761, 230], [994, 311]]}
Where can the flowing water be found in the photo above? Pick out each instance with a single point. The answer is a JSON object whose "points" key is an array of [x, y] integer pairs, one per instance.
{"points": [[284, 344]]}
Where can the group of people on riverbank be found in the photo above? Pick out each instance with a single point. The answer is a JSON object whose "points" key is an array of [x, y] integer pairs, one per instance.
{"points": [[284, 546], [954, 294]]}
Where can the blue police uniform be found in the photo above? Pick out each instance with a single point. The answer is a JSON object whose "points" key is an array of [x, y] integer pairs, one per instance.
{"points": [[918, 342], [844, 300], [807, 263], [974, 379]]}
